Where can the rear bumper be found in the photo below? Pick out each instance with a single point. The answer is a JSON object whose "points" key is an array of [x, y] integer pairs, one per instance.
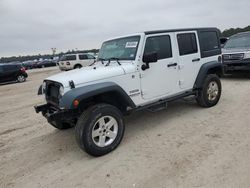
{"points": [[56, 115]]}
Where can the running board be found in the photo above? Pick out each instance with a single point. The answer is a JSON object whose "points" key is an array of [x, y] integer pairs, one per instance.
{"points": [[165, 101]]}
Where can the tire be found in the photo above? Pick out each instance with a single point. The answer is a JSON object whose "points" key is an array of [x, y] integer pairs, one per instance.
{"points": [[78, 66], [60, 125], [96, 125], [21, 78], [210, 93]]}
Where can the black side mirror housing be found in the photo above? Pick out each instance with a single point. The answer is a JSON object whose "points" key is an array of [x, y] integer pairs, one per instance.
{"points": [[149, 58]]}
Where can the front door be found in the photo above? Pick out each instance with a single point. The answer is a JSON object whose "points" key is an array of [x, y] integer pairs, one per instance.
{"points": [[189, 58], [161, 79]]}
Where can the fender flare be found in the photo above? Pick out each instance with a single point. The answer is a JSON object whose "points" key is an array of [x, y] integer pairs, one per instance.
{"points": [[85, 92], [209, 67]]}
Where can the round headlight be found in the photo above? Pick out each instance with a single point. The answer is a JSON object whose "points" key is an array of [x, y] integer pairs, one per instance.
{"points": [[61, 91]]}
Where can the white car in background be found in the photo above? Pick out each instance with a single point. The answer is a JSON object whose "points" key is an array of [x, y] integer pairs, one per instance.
{"points": [[75, 61]]}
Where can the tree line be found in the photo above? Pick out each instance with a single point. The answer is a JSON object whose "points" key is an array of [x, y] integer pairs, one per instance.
{"points": [[225, 33]]}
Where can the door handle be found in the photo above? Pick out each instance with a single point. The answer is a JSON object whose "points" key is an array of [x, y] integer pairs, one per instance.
{"points": [[172, 65], [195, 60]]}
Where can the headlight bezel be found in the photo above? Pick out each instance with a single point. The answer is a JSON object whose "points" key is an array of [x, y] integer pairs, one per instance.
{"points": [[247, 55], [61, 91]]}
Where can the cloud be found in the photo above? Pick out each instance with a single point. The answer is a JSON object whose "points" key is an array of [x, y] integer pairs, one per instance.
{"points": [[30, 27]]}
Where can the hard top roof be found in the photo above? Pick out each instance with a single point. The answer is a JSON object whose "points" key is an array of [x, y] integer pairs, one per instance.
{"points": [[180, 30]]}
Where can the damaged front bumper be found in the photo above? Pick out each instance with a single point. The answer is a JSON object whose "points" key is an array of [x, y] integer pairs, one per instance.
{"points": [[53, 114]]}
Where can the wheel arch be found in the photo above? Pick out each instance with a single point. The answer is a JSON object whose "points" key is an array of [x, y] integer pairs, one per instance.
{"points": [[107, 92], [213, 67]]}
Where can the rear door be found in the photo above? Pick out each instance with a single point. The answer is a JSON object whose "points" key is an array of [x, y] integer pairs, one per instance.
{"points": [[189, 58], [9, 73]]}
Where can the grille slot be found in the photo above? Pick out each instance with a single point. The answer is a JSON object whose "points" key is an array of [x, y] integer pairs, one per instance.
{"points": [[233, 57], [52, 92]]}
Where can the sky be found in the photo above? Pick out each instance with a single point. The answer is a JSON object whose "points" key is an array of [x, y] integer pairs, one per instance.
{"points": [[29, 27]]}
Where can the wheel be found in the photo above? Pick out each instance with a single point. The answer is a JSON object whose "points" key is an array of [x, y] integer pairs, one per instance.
{"points": [[100, 129], [78, 67], [210, 93], [21, 78], [60, 125]]}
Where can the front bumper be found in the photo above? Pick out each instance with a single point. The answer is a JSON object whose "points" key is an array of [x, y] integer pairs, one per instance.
{"points": [[53, 114], [240, 65]]}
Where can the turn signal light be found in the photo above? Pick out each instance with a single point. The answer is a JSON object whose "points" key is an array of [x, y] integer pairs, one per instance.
{"points": [[76, 103]]}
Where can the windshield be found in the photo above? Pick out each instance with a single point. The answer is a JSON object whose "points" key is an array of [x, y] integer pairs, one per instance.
{"points": [[122, 49], [238, 42]]}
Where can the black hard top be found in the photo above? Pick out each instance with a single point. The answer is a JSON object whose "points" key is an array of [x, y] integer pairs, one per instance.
{"points": [[180, 30]]}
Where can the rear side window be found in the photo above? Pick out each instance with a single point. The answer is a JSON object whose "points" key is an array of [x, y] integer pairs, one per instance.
{"points": [[9, 67], [209, 40], [209, 43], [83, 57], [187, 43], [159, 44], [69, 58]]}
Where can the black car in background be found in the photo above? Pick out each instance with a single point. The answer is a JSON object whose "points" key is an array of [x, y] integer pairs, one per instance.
{"points": [[45, 63], [12, 72], [29, 64]]}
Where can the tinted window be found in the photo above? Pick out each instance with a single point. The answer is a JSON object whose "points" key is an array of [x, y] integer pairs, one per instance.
{"points": [[238, 41], [69, 58], [83, 57], [187, 43], [209, 40], [1, 69], [159, 44], [9, 67]]}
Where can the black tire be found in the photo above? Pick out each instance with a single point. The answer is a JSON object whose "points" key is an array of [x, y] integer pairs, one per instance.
{"points": [[21, 78], [61, 126], [77, 66], [89, 119], [203, 96]]}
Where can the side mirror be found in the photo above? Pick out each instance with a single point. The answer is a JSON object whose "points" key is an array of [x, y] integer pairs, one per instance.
{"points": [[149, 58]]}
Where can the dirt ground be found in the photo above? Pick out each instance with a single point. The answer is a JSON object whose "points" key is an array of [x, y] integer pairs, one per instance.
{"points": [[183, 146]]}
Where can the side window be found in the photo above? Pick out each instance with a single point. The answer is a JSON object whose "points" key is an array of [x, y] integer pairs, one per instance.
{"points": [[83, 57], [70, 57], [187, 43], [159, 44], [1, 69], [90, 57], [209, 41]]}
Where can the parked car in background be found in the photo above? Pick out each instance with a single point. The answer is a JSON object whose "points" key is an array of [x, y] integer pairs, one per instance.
{"points": [[29, 64], [236, 53], [75, 61], [223, 41], [12, 72], [45, 63]]}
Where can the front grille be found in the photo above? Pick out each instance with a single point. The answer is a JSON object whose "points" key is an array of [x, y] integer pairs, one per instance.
{"points": [[52, 92], [233, 57]]}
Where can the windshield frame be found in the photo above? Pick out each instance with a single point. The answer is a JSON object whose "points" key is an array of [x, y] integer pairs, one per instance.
{"points": [[122, 59], [237, 37]]}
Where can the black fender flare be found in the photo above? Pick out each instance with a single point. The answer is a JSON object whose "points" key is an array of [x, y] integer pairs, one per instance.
{"points": [[85, 92], [213, 67]]}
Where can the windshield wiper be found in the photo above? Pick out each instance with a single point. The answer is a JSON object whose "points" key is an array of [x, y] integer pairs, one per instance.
{"points": [[100, 59], [113, 58]]}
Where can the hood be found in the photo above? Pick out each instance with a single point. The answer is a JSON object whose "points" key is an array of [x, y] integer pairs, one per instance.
{"points": [[92, 73], [235, 50]]}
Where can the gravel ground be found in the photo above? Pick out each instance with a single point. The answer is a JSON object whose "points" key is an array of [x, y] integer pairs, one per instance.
{"points": [[183, 146]]}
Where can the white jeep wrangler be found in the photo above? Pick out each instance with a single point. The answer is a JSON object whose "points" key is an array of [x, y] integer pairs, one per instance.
{"points": [[141, 71]]}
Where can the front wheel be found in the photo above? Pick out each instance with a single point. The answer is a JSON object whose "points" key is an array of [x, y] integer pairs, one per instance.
{"points": [[210, 93], [100, 129]]}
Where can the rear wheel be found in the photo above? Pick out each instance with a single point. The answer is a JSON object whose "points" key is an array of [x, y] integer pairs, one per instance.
{"points": [[21, 78], [78, 67], [210, 93], [100, 129]]}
